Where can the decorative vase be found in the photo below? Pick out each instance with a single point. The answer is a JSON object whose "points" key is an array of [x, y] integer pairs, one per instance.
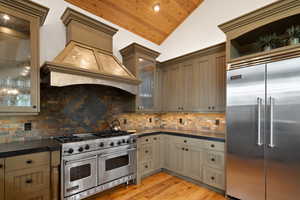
{"points": [[293, 41], [267, 48]]}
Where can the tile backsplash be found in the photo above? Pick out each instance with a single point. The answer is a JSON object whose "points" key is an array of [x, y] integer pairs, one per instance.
{"points": [[180, 121]]}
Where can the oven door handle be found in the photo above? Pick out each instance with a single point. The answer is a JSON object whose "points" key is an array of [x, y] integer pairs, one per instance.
{"points": [[79, 160], [116, 152]]}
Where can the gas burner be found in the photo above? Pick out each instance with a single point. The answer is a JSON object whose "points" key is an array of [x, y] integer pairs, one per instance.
{"points": [[109, 133], [68, 138]]}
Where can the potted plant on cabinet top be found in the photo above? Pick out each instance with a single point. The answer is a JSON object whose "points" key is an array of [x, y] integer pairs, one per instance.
{"points": [[294, 34], [268, 42]]}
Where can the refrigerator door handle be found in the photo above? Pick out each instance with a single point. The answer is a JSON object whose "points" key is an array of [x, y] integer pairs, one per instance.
{"points": [[259, 103], [272, 101]]}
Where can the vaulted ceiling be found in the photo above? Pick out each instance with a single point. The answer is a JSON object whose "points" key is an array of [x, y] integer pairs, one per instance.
{"points": [[138, 16]]}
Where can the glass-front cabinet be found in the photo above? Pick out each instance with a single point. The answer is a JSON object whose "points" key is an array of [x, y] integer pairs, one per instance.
{"points": [[19, 59], [141, 61]]}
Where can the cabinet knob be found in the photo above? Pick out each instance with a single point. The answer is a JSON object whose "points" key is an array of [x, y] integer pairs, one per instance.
{"points": [[213, 160], [34, 106], [213, 107], [209, 107], [1, 166], [184, 141], [155, 138], [146, 151], [146, 166], [212, 145], [212, 178], [29, 161], [182, 149], [147, 140], [186, 149], [28, 181]]}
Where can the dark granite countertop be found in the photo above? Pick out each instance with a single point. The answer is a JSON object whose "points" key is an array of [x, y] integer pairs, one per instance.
{"points": [[26, 147], [207, 135]]}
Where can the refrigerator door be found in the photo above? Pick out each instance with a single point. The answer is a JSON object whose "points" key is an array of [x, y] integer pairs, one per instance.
{"points": [[283, 130], [245, 133]]}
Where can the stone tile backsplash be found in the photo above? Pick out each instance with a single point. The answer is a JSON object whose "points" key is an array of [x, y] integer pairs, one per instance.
{"points": [[180, 121]]}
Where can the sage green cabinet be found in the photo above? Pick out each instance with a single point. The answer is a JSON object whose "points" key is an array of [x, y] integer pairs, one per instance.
{"points": [[19, 57], [2, 179], [141, 62], [195, 84]]}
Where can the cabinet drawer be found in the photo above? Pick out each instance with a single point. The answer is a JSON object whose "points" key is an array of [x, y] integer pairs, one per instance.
{"points": [[146, 167], [213, 177], [146, 152], [25, 182], [214, 159], [145, 140], [217, 146], [27, 161], [38, 195]]}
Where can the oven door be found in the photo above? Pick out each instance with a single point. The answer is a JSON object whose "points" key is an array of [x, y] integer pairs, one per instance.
{"points": [[80, 175], [116, 165]]}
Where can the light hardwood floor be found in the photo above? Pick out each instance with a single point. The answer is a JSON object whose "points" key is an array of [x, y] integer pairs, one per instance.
{"points": [[160, 186]]}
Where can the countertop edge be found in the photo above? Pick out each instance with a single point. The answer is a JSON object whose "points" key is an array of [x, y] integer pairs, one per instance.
{"points": [[183, 135]]}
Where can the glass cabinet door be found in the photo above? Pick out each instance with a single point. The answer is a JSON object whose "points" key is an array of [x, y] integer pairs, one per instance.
{"points": [[146, 71], [18, 65]]}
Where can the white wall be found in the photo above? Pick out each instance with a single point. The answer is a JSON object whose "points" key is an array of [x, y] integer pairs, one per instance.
{"points": [[200, 29], [53, 35]]}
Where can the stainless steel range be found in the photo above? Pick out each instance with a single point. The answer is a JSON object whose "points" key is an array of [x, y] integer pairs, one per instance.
{"points": [[92, 163]]}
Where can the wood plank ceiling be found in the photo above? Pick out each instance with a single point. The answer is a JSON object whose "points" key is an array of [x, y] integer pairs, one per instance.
{"points": [[138, 16]]}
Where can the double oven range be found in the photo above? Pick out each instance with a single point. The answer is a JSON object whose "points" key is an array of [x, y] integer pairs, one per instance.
{"points": [[92, 163]]}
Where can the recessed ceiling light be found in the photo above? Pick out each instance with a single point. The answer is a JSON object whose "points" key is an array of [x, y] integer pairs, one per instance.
{"points": [[141, 59], [156, 7], [6, 17]]}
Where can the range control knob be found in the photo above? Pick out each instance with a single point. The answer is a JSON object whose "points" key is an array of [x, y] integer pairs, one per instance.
{"points": [[80, 149], [128, 141], [87, 147], [112, 144], [70, 150], [119, 143], [123, 141], [101, 144]]}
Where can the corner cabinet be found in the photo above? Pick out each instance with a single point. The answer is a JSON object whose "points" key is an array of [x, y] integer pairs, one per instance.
{"points": [[195, 82], [141, 62], [19, 56]]}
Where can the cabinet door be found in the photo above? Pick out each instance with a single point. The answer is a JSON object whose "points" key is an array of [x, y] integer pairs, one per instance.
{"points": [[177, 156], [1, 179], [217, 84], [202, 91], [193, 162], [188, 83], [214, 177], [156, 152], [147, 74], [19, 68], [24, 183]]}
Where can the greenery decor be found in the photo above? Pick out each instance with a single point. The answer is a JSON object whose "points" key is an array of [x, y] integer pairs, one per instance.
{"points": [[268, 42]]}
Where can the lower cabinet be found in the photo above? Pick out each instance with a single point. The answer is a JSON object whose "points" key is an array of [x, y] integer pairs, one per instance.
{"points": [[2, 179], [30, 177], [198, 159]]}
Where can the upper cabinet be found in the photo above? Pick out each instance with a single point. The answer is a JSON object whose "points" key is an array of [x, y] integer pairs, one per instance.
{"points": [[141, 61], [195, 82], [264, 34], [19, 56]]}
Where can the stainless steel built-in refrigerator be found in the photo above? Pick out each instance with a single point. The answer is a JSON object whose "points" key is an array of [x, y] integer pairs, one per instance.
{"points": [[263, 134]]}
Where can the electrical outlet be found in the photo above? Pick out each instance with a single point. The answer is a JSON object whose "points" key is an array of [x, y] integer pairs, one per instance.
{"points": [[150, 120], [180, 121], [125, 121], [217, 122], [27, 126]]}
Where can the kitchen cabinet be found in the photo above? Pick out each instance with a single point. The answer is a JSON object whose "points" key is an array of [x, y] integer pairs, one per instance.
{"points": [[201, 160], [196, 83], [141, 62], [19, 33], [2, 179], [30, 176]]}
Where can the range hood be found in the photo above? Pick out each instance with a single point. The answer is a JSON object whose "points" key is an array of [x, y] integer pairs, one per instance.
{"points": [[88, 57]]}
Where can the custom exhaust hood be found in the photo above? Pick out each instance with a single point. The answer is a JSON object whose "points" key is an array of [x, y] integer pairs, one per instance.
{"points": [[87, 57]]}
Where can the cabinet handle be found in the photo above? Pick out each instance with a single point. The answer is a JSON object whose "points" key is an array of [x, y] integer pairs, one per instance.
{"points": [[212, 178], [29, 161], [29, 181]]}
